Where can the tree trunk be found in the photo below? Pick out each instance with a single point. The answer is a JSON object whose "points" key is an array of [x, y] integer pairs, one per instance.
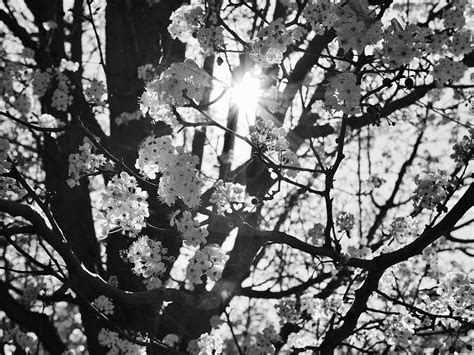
{"points": [[136, 34]]}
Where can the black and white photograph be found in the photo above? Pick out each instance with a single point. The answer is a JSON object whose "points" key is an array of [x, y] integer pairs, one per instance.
{"points": [[236, 177]]}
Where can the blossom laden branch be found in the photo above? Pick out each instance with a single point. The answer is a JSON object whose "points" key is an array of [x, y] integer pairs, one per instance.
{"points": [[82, 276]]}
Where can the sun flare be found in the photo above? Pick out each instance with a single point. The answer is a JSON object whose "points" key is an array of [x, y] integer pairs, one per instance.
{"points": [[245, 94]]}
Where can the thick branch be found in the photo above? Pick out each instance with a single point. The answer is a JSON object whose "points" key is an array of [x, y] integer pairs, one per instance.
{"points": [[303, 67], [295, 243], [249, 292], [17, 30], [430, 235], [80, 274], [335, 336], [405, 101]]}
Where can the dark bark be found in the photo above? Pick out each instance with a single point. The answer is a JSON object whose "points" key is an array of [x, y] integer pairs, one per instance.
{"points": [[36, 322], [136, 34], [71, 208], [335, 336]]}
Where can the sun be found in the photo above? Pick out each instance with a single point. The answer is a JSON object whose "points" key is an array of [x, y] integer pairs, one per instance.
{"points": [[245, 94]]}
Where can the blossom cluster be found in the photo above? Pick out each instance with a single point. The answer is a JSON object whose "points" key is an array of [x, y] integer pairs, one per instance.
{"points": [[158, 111], [171, 340], [62, 99], [24, 340], [179, 176], [148, 257], [404, 229], [117, 345], [153, 153], [430, 190], [375, 182], [180, 180], [271, 44], [460, 42], [22, 104], [192, 21], [320, 15], [104, 304], [464, 150], [95, 92], [272, 140], [226, 195], [177, 85], [267, 137], [8, 75], [47, 121], [206, 344], [264, 341], [343, 93], [185, 21], [454, 16], [402, 45], [41, 81], [210, 37], [456, 291], [85, 163], [9, 187], [126, 117], [123, 206], [345, 221], [401, 329], [293, 310], [356, 26], [4, 147], [68, 65], [289, 159], [310, 304], [208, 261], [454, 302], [153, 283], [448, 70], [192, 234], [287, 311], [355, 251], [331, 304]]}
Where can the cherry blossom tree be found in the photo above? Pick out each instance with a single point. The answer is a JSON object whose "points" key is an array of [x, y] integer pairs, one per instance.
{"points": [[236, 176]]}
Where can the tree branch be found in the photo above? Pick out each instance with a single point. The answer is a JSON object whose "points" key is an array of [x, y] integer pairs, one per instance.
{"points": [[267, 294], [82, 277], [430, 235], [295, 243], [38, 323], [17, 30]]}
